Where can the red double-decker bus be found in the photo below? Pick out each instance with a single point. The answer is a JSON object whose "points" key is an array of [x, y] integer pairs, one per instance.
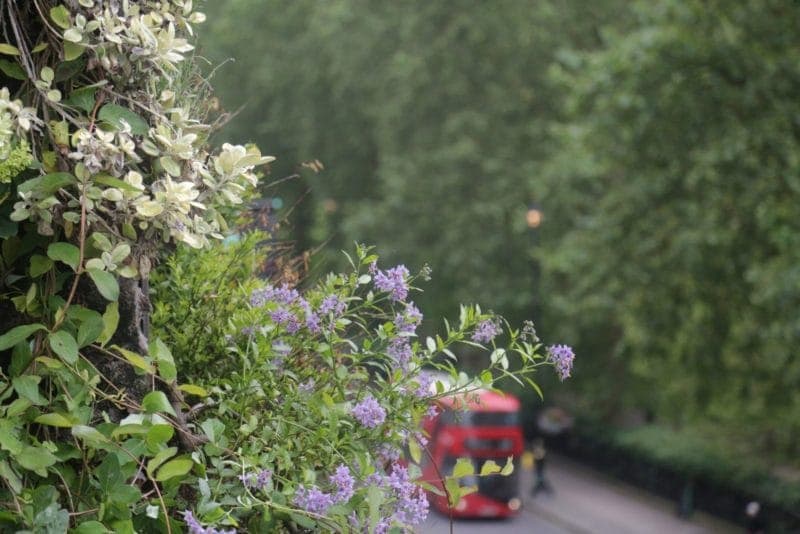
{"points": [[481, 425]]}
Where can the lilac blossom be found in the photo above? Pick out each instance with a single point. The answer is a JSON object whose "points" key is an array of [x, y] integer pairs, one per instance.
{"points": [[432, 411], [257, 481], [388, 453], [196, 528], [408, 321], [313, 500], [393, 282], [312, 322], [332, 304], [283, 316], [412, 503], [283, 295], [307, 386], [382, 527], [425, 380], [562, 358], [344, 483], [400, 351], [369, 412], [485, 331], [248, 330]]}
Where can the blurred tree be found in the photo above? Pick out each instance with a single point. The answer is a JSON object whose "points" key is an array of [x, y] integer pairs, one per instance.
{"points": [[677, 232], [659, 138], [430, 118]]}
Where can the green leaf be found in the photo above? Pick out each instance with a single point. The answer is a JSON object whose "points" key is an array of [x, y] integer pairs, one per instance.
{"points": [[489, 467], [414, 450], [159, 435], [10, 477], [91, 329], [8, 50], [156, 401], [12, 69], [39, 265], [191, 389], [114, 115], [106, 283], [164, 361], [110, 181], [170, 165], [160, 458], [137, 361], [48, 184], [55, 419], [64, 345], [18, 407], [174, 468], [73, 50], [8, 437], [68, 69], [91, 527], [110, 322], [82, 98], [453, 491], [36, 459], [66, 253], [17, 334], [27, 387], [90, 435], [508, 468], [60, 16], [463, 468]]}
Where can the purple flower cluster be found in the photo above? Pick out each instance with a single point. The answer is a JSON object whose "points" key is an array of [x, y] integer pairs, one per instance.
{"points": [[283, 295], [399, 350], [388, 454], [344, 483], [307, 386], [424, 381], [408, 321], [485, 331], [562, 358], [257, 481], [369, 412], [432, 411], [393, 282], [313, 500], [412, 503], [283, 316], [196, 528], [312, 322], [332, 304]]}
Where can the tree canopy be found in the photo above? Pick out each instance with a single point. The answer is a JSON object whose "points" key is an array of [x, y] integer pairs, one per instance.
{"points": [[658, 138]]}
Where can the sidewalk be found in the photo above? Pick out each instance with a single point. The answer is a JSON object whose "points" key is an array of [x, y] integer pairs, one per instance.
{"points": [[586, 501]]}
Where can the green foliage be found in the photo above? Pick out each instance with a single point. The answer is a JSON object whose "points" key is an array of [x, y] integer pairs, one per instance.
{"points": [[281, 400], [236, 414], [673, 249], [658, 137], [421, 113], [196, 294]]}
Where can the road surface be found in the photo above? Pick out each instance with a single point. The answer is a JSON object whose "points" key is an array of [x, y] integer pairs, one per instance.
{"points": [[586, 502]]}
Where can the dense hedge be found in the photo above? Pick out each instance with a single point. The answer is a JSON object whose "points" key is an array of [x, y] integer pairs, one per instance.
{"points": [[667, 462]]}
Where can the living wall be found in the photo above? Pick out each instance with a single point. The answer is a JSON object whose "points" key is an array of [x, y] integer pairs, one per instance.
{"points": [[289, 411]]}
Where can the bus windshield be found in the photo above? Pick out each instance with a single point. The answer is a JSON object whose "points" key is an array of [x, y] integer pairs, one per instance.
{"points": [[464, 418]]}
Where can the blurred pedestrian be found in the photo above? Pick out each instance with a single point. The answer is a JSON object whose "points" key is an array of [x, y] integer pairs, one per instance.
{"points": [[539, 457], [755, 521]]}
